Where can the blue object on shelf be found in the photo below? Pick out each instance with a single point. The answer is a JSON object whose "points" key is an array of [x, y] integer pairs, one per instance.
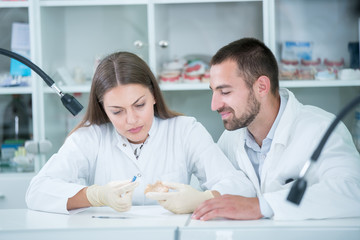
{"points": [[19, 69]]}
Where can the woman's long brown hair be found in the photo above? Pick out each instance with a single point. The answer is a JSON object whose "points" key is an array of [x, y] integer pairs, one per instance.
{"points": [[121, 68]]}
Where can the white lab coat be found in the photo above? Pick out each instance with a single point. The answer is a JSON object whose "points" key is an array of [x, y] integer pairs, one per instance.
{"points": [[334, 182], [175, 149]]}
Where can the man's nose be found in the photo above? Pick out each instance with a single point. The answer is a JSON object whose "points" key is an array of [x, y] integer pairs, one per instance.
{"points": [[215, 102]]}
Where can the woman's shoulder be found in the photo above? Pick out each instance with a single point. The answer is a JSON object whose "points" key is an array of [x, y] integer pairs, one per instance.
{"points": [[93, 130], [179, 121]]}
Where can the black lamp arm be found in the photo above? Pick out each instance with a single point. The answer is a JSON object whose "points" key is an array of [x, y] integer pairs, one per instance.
{"points": [[28, 63], [331, 128], [68, 101], [299, 187]]}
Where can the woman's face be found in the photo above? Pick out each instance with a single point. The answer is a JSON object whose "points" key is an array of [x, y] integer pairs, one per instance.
{"points": [[130, 109]]}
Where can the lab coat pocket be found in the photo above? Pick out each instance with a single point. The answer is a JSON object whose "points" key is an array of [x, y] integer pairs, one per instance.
{"points": [[281, 182], [286, 181]]}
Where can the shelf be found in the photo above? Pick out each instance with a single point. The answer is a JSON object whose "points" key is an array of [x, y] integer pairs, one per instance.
{"points": [[56, 3], [205, 86], [50, 3], [84, 88], [184, 86], [15, 90], [319, 83], [283, 83], [164, 87], [11, 4], [200, 1]]}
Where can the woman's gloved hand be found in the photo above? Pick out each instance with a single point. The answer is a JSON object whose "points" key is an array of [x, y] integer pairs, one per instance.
{"points": [[184, 200], [117, 195]]}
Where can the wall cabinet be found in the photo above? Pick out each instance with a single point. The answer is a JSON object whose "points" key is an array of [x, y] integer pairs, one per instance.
{"points": [[68, 37]]}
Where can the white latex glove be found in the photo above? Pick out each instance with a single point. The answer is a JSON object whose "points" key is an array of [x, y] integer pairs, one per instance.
{"points": [[117, 195], [185, 200]]}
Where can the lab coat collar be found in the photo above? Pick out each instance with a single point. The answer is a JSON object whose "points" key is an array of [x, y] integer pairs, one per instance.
{"points": [[123, 143], [249, 138], [292, 108], [154, 127]]}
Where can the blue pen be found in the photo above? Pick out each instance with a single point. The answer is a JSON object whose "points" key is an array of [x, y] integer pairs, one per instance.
{"points": [[134, 178]]}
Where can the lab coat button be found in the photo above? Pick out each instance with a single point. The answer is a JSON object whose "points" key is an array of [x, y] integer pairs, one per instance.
{"points": [[124, 144], [138, 175]]}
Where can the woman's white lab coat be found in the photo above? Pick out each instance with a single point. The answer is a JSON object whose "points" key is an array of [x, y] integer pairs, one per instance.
{"points": [[175, 149], [334, 182]]}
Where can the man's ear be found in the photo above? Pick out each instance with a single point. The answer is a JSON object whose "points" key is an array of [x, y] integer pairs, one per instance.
{"points": [[262, 86]]}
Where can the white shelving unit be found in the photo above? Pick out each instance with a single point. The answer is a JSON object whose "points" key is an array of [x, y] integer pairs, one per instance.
{"points": [[85, 88], [13, 4], [72, 34]]}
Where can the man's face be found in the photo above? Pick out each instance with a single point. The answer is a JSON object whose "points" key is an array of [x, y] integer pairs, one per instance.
{"points": [[234, 101]]}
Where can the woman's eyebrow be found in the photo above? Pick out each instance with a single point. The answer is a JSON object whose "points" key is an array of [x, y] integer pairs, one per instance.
{"points": [[136, 101]]}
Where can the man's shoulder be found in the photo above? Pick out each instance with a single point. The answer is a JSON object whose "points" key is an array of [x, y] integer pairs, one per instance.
{"points": [[313, 115]]}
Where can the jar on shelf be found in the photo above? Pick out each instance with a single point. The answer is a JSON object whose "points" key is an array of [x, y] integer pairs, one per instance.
{"points": [[206, 77], [194, 70], [288, 69], [16, 120], [170, 76], [334, 66], [309, 68], [171, 71]]}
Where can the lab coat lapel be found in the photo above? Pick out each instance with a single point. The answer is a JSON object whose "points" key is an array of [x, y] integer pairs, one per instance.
{"points": [[245, 163], [124, 146], [281, 138]]}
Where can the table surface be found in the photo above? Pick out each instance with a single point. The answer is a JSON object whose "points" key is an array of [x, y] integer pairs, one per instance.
{"points": [[154, 222]]}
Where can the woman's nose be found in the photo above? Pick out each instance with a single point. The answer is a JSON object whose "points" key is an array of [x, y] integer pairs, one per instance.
{"points": [[131, 117]]}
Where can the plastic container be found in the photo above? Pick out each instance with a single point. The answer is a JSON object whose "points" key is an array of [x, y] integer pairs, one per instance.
{"points": [[353, 48], [16, 120], [170, 76], [334, 66], [309, 68], [289, 69]]}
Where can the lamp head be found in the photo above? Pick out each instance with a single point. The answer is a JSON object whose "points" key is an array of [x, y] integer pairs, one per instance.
{"points": [[71, 104], [297, 191]]}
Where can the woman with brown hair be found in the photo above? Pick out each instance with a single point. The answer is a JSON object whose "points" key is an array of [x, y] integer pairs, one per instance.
{"points": [[129, 131]]}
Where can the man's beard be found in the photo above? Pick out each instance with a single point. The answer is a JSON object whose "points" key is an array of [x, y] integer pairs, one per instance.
{"points": [[246, 118]]}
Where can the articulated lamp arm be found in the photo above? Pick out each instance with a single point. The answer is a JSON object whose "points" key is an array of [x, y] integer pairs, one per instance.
{"points": [[68, 101]]}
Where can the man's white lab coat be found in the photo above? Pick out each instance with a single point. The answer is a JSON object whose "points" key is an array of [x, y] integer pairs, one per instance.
{"points": [[175, 149], [334, 182]]}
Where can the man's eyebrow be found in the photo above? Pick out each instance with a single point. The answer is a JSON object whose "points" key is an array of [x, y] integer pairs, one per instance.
{"points": [[221, 87]]}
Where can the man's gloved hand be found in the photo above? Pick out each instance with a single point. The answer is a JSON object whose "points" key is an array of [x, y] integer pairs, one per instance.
{"points": [[117, 194], [185, 200]]}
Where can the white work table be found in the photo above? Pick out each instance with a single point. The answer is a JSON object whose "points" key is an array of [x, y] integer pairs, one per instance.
{"points": [[141, 222], [330, 229], [154, 222]]}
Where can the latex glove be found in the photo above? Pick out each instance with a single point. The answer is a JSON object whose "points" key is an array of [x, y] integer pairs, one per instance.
{"points": [[185, 200], [117, 195]]}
